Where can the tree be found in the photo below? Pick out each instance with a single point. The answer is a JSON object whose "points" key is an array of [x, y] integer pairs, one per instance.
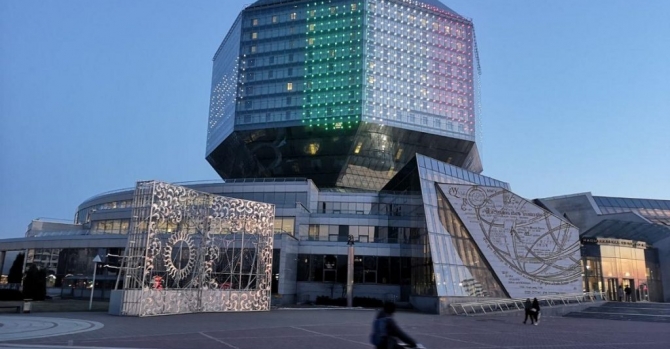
{"points": [[16, 271], [35, 284]]}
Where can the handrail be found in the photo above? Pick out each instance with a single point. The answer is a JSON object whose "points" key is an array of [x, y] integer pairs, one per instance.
{"points": [[508, 304]]}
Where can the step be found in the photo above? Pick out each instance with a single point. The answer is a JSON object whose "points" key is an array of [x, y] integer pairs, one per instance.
{"points": [[620, 316]]}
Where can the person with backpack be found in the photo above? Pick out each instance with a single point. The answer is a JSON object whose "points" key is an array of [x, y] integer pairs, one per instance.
{"points": [[385, 331]]}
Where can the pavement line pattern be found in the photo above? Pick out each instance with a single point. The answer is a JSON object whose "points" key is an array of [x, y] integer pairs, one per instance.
{"points": [[42, 346], [218, 340], [331, 336], [18, 327]]}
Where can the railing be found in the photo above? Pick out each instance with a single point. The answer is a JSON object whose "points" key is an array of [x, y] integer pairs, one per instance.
{"points": [[511, 304]]}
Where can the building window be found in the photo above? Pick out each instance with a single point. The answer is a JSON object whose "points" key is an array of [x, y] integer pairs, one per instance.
{"points": [[290, 57], [250, 90], [289, 86], [272, 60], [250, 76], [254, 21], [252, 49], [275, 19], [311, 27], [290, 72], [310, 41], [333, 10], [271, 73], [254, 36], [287, 116], [312, 13], [294, 16], [332, 53], [289, 100], [247, 105], [252, 62], [354, 7]]}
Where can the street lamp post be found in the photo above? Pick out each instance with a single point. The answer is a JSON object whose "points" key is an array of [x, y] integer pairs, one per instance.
{"points": [[96, 260], [350, 272]]}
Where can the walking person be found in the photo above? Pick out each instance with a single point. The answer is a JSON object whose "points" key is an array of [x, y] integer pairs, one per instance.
{"points": [[628, 292], [526, 306], [620, 293], [535, 309]]}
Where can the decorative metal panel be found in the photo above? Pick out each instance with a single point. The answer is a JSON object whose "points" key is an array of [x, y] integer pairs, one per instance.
{"points": [[532, 251], [192, 252]]}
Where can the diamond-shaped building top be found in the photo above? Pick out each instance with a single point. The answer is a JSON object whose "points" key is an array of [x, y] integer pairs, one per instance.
{"points": [[344, 92]]}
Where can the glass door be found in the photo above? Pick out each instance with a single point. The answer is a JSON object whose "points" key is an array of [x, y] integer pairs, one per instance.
{"points": [[611, 285]]}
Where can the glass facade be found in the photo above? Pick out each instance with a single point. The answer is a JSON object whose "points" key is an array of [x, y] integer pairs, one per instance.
{"points": [[610, 263], [419, 69], [224, 88], [657, 211], [343, 92], [367, 269]]}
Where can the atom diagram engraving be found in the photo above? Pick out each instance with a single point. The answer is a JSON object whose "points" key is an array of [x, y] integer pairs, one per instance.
{"points": [[524, 237]]}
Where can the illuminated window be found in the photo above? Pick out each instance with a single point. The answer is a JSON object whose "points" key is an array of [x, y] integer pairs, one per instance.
{"points": [[312, 13], [254, 21], [310, 41], [293, 16], [332, 53], [275, 19], [333, 10], [252, 49], [254, 36], [354, 7], [289, 86], [311, 27]]}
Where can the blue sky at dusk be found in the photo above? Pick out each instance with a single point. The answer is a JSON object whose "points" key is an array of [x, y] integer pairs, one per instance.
{"points": [[96, 95]]}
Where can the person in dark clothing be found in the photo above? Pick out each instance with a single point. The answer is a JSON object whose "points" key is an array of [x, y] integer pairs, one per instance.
{"points": [[535, 309], [527, 305], [389, 339], [628, 291], [620, 293]]}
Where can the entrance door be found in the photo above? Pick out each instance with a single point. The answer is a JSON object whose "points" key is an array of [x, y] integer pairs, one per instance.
{"points": [[611, 285]]}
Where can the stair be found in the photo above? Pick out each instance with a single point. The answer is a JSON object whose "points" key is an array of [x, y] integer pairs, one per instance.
{"points": [[638, 311]]}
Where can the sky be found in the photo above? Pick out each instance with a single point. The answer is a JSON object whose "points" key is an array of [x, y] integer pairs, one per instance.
{"points": [[96, 95]]}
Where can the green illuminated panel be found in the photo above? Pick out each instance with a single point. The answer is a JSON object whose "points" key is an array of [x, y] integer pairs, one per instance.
{"points": [[333, 65]]}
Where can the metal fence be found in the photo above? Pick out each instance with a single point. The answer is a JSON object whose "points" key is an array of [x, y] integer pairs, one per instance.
{"points": [[513, 304]]}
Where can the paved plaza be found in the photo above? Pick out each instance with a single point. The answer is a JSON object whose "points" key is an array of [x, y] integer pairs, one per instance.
{"points": [[331, 329]]}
